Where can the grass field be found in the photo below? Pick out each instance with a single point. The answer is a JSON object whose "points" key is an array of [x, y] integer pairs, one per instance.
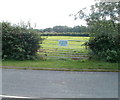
{"points": [[73, 42], [51, 48]]}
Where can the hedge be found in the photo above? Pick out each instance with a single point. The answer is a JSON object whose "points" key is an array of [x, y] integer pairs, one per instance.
{"points": [[65, 34], [106, 45], [19, 43]]}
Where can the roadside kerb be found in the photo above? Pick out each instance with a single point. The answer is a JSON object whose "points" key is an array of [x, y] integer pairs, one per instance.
{"points": [[60, 69]]}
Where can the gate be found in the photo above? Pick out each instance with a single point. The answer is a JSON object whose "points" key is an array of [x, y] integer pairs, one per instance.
{"points": [[59, 47]]}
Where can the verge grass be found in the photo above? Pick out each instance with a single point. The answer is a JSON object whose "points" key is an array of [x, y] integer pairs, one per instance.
{"points": [[69, 64]]}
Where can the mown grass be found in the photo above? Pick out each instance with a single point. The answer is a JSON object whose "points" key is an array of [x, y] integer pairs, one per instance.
{"points": [[69, 64]]}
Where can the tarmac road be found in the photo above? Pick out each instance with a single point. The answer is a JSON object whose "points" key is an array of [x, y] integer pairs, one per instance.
{"points": [[59, 84]]}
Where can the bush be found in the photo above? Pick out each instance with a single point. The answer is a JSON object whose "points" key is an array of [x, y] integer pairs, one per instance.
{"points": [[19, 43], [106, 47], [105, 42]]}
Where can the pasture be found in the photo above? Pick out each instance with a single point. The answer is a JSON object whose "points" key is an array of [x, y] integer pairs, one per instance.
{"points": [[52, 49]]}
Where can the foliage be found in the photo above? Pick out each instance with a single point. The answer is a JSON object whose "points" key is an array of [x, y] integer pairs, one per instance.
{"points": [[19, 42], [100, 11], [105, 44], [66, 34], [105, 47], [103, 21], [64, 29]]}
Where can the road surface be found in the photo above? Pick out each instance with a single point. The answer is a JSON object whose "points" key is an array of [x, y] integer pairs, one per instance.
{"points": [[59, 84]]}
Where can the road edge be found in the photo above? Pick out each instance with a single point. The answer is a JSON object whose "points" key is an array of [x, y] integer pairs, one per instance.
{"points": [[59, 69]]}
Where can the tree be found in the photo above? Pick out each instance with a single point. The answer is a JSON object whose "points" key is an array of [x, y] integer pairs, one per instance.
{"points": [[61, 29], [103, 20], [48, 30], [76, 29], [100, 11]]}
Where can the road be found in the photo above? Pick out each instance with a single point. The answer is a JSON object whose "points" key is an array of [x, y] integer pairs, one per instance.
{"points": [[59, 84]]}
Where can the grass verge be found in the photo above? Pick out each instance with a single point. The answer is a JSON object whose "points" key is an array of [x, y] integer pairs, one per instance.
{"points": [[68, 65]]}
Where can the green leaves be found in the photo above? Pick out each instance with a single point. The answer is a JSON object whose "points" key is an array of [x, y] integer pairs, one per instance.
{"points": [[105, 46], [101, 11], [19, 43]]}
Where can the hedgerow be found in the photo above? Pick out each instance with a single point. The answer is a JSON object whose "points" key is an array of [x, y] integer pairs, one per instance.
{"points": [[66, 34], [105, 45], [19, 43]]}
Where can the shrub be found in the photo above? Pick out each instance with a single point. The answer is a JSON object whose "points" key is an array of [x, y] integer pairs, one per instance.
{"points": [[106, 47], [19, 43], [105, 42]]}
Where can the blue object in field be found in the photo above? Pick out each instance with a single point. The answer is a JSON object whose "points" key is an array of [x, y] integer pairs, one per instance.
{"points": [[63, 42]]}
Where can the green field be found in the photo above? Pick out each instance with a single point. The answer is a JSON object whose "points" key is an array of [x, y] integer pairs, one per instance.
{"points": [[75, 46], [73, 42]]}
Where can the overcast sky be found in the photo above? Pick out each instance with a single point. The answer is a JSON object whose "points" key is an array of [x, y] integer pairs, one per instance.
{"points": [[45, 13]]}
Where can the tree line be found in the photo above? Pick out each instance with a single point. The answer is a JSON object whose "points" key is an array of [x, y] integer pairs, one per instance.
{"points": [[64, 29]]}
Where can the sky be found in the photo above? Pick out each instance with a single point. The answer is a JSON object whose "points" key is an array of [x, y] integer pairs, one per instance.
{"points": [[43, 13]]}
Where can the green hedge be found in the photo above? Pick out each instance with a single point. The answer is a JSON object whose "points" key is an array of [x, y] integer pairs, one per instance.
{"points": [[105, 47], [65, 34], [19, 43], [105, 44]]}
